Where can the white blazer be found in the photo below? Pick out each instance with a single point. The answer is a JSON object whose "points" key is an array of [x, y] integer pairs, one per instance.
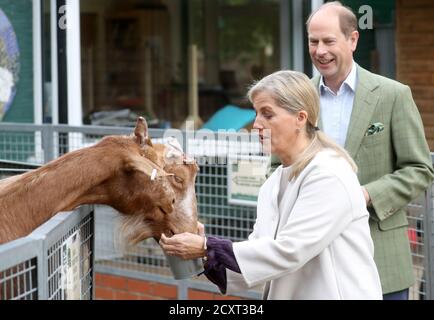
{"points": [[317, 245]]}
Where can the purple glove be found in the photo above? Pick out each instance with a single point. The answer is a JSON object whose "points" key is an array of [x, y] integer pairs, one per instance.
{"points": [[220, 255]]}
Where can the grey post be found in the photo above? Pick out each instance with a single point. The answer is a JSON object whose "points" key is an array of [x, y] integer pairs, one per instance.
{"points": [[429, 245], [48, 143]]}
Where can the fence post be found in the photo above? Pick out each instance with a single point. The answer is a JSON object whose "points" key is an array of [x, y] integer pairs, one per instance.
{"points": [[92, 250], [48, 143], [183, 290], [429, 245], [42, 270]]}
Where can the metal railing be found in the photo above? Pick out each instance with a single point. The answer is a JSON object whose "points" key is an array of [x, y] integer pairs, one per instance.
{"points": [[146, 261], [54, 262]]}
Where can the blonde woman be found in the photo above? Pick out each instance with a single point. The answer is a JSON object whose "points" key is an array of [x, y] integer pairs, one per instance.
{"points": [[311, 239]]}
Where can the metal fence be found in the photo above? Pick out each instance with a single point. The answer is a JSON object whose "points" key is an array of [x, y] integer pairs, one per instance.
{"points": [[146, 261], [420, 215], [54, 262]]}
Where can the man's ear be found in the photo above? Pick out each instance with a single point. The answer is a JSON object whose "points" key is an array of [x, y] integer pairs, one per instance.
{"points": [[354, 37]]}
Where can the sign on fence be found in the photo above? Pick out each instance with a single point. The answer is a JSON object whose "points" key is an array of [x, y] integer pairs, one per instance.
{"points": [[245, 176], [70, 255]]}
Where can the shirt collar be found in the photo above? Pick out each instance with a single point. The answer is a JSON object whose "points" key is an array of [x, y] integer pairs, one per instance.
{"points": [[350, 81]]}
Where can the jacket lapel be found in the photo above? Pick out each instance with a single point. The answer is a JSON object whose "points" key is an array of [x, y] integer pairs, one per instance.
{"points": [[365, 101], [268, 204]]}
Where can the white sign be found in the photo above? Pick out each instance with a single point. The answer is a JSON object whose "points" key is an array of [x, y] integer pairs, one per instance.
{"points": [[70, 267], [245, 176]]}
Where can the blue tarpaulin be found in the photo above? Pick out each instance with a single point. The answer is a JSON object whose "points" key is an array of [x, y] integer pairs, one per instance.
{"points": [[230, 117]]}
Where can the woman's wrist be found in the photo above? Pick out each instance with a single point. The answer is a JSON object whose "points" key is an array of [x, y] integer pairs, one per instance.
{"points": [[205, 251], [220, 251]]}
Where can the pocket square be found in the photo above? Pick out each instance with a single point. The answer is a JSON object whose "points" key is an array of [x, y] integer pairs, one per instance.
{"points": [[374, 128]]}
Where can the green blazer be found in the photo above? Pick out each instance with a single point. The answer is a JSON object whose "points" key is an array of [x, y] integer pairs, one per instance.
{"points": [[387, 141]]}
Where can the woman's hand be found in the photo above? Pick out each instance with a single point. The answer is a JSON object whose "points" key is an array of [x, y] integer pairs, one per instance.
{"points": [[185, 245]]}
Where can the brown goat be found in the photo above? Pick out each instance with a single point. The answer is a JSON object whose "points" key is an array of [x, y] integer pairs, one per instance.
{"points": [[152, 186]]}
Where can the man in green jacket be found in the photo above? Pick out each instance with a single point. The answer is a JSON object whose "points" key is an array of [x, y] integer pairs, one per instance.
{"points": [[378, 123]]}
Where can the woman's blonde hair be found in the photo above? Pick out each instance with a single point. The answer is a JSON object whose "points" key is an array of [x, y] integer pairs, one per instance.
{"points": [[294, 92]]}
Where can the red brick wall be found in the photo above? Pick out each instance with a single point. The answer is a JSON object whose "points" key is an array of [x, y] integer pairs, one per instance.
{"points": [[110, 287], [415, 56]]}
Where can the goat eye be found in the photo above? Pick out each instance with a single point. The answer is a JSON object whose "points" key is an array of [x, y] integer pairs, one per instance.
{"points": [[178, 179]]}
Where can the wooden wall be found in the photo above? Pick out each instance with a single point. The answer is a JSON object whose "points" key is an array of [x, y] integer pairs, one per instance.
{"points": [[415, 56]]}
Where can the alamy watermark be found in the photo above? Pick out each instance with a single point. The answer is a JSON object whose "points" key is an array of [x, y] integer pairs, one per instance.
{"points": [[62, 23], [216, 147], [366, 21]]}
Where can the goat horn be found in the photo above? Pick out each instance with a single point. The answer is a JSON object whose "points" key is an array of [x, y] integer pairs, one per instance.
{"points": [[141, 131]]}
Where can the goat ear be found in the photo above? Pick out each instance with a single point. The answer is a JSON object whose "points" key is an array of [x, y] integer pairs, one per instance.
{"points": [[136, 163], [141, 164], [141, 131]]}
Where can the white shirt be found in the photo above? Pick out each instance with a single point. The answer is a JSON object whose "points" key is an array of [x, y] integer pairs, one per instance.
{"points": [[315, 244], [336, 108]]}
